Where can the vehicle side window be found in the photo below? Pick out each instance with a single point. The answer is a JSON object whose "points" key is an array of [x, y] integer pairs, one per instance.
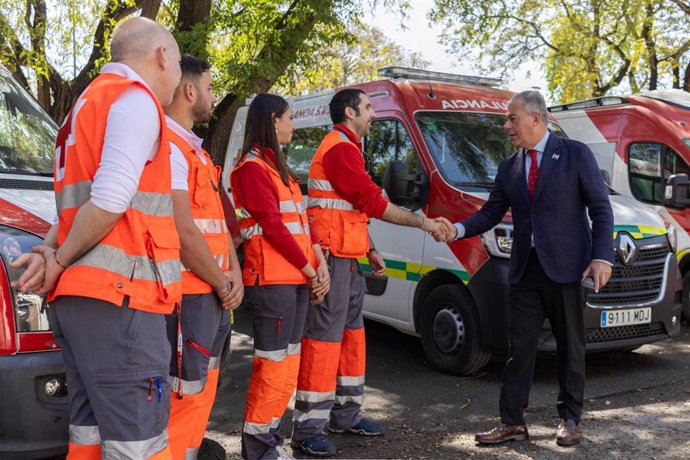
{"points": [[650, 165], [387, 141], [301, 149]]}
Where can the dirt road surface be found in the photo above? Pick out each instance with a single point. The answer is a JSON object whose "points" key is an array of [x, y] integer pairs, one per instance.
{"points": [[637, 404]]}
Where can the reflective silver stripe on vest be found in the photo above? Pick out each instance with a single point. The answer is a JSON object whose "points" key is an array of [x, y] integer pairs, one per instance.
{"points": [[191, 453], [220, 260], [84, 435], [314, 396], [330, 203], [211, 225], [294, 349], [287, 206], [342, 400], [153, 204], [134, 449], [350, 381], [73, 195], [261, 428], [117, 261], [275, 356], [319, 414], [214, 362], [319, 184], [189, 387], [294, 228]]}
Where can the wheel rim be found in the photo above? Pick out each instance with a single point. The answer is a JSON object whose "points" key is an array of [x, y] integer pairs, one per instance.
{"points": [[448, 330]]}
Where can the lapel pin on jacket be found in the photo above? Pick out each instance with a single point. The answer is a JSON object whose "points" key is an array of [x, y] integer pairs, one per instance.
{"points": [[555, 156]]}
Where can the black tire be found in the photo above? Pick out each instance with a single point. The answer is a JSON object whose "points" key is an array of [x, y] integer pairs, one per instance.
{"points": [[451, 333], [686, 296]]}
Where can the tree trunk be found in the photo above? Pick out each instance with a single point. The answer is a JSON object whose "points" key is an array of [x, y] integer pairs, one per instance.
{"points": [[192, 15], [686, 79]]}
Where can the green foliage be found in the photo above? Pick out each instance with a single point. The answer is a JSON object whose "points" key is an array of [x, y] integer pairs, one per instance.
{"points": [[354, 58], [587, 47]]}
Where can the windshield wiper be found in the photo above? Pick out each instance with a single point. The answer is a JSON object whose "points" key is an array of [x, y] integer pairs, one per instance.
{"points": [[476, 184]]}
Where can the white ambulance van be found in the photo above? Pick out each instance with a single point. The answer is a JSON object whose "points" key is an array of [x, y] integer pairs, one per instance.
{"points": [[33, 392], [435, 148], [641, 141]]}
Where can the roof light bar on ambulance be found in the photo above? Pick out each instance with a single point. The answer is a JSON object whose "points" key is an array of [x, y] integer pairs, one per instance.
{"points": [[589, 103], [421, 74]]}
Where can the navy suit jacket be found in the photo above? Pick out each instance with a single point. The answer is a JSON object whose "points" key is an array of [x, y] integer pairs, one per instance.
{"points": [[569, 185]]}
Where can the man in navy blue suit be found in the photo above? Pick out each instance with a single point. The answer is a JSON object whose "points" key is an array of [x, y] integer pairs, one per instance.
{"points": [[551, 184]]}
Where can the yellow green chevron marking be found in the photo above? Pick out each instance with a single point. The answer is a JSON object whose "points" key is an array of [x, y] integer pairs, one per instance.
{"points": [[410, 271], [682, 253], [639, 231]]}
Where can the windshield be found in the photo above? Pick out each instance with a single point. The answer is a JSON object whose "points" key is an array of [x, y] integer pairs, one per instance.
{"points": [[27, 134], [467, 147]]}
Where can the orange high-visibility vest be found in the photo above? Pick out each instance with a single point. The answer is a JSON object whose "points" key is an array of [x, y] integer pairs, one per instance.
{"points": [[260, 258], [207, 212], [338, 226], [140, 256]]}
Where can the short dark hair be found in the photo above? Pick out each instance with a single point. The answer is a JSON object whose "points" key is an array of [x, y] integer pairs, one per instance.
{"points": [[343, 99], [192, 67]]}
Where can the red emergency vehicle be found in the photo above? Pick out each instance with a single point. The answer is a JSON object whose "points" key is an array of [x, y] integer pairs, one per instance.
{"points": [[435, 147], [640, 142], [34, 417]]}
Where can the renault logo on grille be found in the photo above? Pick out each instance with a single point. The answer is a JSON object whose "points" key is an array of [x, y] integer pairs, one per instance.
{"points": [[626, 249]]}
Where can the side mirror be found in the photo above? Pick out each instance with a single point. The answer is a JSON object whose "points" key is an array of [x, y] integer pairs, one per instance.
{"points": [[403, 188], [677, 191]]}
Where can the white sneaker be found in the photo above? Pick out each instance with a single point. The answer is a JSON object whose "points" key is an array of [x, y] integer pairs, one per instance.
{"points": [[282, 453]]}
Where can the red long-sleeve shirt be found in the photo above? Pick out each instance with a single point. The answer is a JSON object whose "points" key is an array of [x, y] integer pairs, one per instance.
{"points": [[345, 169], [252, 185]]}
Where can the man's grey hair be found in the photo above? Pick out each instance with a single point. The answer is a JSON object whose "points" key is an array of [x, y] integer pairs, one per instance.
{"points": [[533, 102]]}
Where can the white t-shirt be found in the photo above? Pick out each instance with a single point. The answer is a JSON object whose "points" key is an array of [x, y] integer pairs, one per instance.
{"points": [[178, 163], [132, 137]]}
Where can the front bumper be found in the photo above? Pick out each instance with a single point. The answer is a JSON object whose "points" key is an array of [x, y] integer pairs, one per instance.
{"points": [[665, 320], [32, 424]]}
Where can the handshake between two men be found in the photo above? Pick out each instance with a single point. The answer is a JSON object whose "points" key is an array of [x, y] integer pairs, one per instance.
{"points": [[441, 229]]}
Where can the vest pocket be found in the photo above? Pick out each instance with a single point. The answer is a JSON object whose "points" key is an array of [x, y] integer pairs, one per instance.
{"points": [[163, 246], [202, 185], [353, 236]]}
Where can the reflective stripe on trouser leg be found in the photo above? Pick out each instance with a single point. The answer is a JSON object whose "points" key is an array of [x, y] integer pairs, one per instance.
{"points": [[315, 387], [211, 388], [274, 317], [84, 437], [349, 391], [120, 356], [321, 352], [200, 319]]}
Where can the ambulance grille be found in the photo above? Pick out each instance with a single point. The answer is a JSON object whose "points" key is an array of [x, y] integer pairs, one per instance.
{"points": [[637, 283], [612, 334], [19, 184]]}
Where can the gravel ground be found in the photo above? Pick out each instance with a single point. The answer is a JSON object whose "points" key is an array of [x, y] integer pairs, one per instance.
{"points": [[638, 404]]}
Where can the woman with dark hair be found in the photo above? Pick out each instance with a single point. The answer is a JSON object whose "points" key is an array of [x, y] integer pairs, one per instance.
{"points": [[282, 265]]}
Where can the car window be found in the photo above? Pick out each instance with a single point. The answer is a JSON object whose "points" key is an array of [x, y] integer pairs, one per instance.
{"points": [[301, 149], [650, 164]]}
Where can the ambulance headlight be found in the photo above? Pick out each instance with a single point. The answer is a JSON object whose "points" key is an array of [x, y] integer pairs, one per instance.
{"points": [[672, 236], [29, 311], [499, 240]]}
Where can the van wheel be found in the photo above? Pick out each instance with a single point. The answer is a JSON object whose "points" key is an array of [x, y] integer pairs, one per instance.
{"points": [[686, 296], [450, 332]]}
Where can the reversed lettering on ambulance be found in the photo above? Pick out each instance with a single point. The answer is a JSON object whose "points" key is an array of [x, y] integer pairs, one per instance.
{"points": [[473, 104]]}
